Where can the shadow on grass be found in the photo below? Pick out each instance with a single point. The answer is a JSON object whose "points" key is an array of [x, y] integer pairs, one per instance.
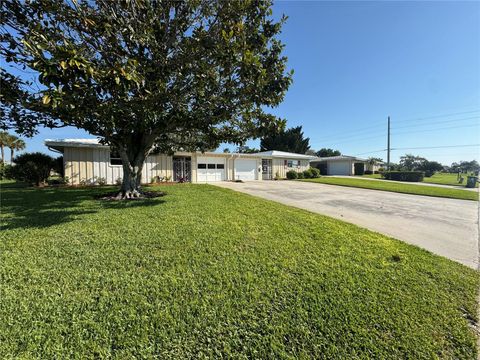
{"points": [[27, 207]]}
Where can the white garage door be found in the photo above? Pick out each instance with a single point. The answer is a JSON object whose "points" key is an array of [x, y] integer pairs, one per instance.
{"points": [[245, 169], [339, 168], [210, 169]]}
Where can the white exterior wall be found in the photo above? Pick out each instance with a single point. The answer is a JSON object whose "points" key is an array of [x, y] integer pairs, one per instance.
{"points": [[86, 165]]}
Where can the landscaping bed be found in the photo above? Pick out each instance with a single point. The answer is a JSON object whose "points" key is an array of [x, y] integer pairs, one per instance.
{"points": [[207, 272]]}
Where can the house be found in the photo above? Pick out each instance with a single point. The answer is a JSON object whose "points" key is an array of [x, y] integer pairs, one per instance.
{"points": [[343, 165], [86, 161]]}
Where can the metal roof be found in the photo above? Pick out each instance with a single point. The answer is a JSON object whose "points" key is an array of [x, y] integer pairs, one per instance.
{"points": [[58, 144], [284, 154], [339, 158]]}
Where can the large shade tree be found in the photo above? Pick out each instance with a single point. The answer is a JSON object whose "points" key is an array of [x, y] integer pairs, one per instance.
{"points": [[145, 75], [290, 140]]}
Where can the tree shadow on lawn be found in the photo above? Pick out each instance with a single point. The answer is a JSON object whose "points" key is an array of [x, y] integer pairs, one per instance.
{"points": [[29, 207]]}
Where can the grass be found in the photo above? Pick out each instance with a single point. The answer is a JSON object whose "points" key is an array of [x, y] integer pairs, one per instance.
{"points": [[406, 188], [205, 272], [437, 178], [446, 179]]}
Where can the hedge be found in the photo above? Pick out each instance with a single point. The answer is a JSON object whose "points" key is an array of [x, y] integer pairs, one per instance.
{"points": [[411, 176]]}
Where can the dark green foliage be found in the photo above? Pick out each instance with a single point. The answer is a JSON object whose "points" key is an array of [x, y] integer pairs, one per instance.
{"points": [[5, 171], [308, 174], [411, 176], [58, 166], [146, 75], [292, 174], [315, 172], [328, 152], [368, 172], [301, 175], [290, 140], [359, 168], [32, 168], [430, 167], [215, 274]]}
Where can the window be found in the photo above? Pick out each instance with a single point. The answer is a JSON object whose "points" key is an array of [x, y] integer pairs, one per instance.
{"points": [[115, 158], [220, 166], [292, 163], [211, 166], [202, 166]]}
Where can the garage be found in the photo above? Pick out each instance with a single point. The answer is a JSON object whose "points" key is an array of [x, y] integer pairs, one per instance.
{"points": [[339, 168], [210, 169], [245, 169]]}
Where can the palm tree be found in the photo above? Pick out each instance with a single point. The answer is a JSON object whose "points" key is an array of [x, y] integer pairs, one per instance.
{"points": [[15, 144], [4, 139]]}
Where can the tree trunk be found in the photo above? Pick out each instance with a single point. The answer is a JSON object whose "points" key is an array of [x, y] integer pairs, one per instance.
{"points": [[132, 173], [11, 156], [3, 153]]}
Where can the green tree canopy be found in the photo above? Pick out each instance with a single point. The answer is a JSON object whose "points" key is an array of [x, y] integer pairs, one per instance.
{"points": [[291, 140], [145, 75], [328, 152]]}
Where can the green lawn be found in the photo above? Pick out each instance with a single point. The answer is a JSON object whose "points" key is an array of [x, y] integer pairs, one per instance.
{"points": [[437, 178], [407, 188], [205, 272], [446, 179]]}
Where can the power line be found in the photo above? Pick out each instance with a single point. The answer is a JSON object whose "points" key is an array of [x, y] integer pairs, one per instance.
{"points": [[436, 147], [421, 147], [444, 128], [437, 122], [438, 116]]}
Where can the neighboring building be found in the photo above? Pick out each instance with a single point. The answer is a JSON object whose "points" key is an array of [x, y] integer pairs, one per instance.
{"points": [[86, 161], [342, 165]]}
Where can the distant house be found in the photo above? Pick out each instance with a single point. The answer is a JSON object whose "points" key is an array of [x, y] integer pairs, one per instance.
{"points": [[343, 165], [86, 161]]}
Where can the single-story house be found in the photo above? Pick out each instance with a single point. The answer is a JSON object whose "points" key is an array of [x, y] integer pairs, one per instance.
{"points": [[343, 165], [86, 161]]}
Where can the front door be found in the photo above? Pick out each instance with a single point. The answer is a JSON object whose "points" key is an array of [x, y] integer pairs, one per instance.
{"points": [[182, 169], [266, 169]]}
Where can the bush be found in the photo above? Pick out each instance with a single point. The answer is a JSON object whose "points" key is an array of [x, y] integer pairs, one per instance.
{"points": [[412, 176], [315, 172], [58, 166], [301, 175], [307, 174], [292, 174], [5, 171], [32, 168], [368, 172], [376, 172], [380, 170]]}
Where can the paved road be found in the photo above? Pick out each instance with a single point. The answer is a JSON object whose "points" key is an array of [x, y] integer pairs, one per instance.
{"points": [[447, 227]]}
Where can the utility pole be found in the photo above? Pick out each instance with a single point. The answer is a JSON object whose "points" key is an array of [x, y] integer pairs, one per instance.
{"points": [[388, 145]]}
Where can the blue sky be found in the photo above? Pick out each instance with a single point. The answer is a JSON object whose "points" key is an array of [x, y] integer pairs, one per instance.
{"points": [[356, 63]]}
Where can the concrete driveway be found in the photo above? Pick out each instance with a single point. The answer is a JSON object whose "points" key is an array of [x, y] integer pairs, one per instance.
{"points": [[446, 227]]}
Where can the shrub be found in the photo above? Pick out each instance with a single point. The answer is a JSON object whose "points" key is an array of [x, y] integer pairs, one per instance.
{"points": [[292, 174], [368, 172], [307, 174], [32, 168], [380, 170], [277, 176], [5, 171], [376, 172], [412, 176], [315, 172], [56, 181], [58, 166], [301, 175], [101, 181]]}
